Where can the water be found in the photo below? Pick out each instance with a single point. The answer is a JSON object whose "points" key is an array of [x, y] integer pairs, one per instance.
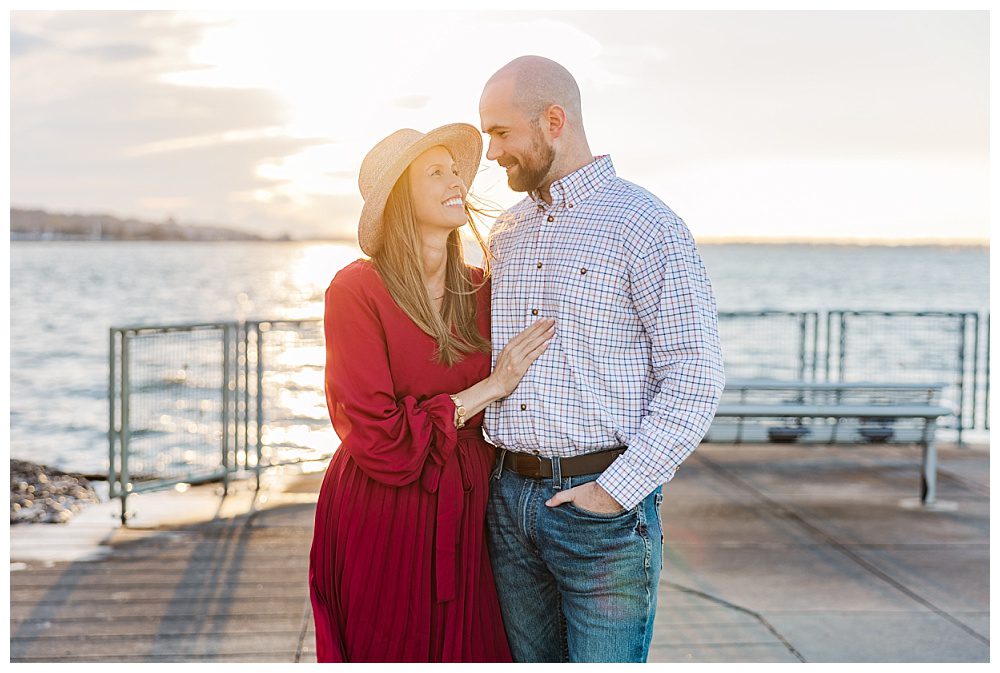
{"points": [[65, 296]]}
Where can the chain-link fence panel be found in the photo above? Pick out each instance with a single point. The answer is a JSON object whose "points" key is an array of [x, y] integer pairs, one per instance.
{"points": [[769, 344], [289, 422], [910, 347], [172, 393]]}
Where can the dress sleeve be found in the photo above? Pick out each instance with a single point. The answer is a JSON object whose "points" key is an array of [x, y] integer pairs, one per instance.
{"points": [[393, 440]]}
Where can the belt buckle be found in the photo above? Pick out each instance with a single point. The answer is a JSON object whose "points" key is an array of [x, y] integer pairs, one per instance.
{"points": [[527, 468]]}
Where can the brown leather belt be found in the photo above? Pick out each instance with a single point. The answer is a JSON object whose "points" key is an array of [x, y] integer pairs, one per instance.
{"points": [[540, 467]]}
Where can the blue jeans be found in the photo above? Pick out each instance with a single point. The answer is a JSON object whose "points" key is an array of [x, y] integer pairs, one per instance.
{"points": [[573, 585]]}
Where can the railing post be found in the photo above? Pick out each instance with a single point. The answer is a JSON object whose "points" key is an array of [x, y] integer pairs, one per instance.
{"points": [[815, 353], [975, 366], [802, 346], [235, 383], [225, 409], [961, 377], [986, 406], [842, 339], [126, 484], [112, 353], [260, 400], [826, 356], [246, 394]]}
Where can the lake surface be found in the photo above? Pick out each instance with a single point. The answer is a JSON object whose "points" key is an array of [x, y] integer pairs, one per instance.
{"points": [[66, 295]]}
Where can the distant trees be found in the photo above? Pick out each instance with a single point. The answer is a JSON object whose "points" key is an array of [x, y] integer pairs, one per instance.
{"points": [[40, 225]]}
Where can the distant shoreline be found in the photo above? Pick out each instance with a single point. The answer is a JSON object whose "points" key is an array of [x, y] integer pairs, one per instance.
{"points": [[44, 226]]}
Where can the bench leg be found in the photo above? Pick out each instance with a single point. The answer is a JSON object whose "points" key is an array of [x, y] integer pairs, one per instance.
{"points": [[928, 477]]}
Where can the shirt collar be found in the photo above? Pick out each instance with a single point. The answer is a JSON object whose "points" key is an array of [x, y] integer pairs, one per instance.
{"points": [[578, 185]]}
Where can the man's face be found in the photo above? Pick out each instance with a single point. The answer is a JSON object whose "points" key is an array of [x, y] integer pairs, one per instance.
{"points": [[517, 141]]}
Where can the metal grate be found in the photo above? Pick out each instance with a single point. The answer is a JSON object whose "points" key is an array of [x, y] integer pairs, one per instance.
{"points": [[171, 392], [910, 347], [290, 419], [769, 344]]}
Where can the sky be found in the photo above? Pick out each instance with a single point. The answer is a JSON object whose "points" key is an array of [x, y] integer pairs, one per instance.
{"points": [[865, 126]]}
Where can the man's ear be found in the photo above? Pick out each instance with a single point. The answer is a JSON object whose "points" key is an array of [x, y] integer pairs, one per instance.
{"points": [[555, 120]]}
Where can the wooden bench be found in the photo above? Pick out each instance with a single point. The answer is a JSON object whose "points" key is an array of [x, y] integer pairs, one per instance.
{"points": [[875, 406]]}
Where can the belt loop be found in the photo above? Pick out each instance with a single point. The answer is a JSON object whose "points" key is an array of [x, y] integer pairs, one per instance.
{"points": [[499, 468], [556, 474]]}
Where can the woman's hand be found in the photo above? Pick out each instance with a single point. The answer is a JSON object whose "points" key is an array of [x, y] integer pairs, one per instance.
{"points": [[519, 353]]}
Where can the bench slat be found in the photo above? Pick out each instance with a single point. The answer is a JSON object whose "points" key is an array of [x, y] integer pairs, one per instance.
{"points": [[777, 384], [834, 410]]}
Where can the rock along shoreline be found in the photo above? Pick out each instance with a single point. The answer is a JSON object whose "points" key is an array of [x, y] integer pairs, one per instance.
{"points": [[42, 494]]}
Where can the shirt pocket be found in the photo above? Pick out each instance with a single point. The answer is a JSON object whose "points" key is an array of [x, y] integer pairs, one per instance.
{"points": [[588, 292], [599, 330]]}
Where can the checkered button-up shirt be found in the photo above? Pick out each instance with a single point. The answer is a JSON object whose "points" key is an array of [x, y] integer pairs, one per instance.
{"points": [[636, 359]]}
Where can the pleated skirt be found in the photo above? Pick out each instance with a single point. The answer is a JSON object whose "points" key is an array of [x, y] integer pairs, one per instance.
{"points": [[371, 571]]}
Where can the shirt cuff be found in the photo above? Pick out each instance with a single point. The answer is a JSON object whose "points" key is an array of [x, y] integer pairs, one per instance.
{"points": [[628, 483]]}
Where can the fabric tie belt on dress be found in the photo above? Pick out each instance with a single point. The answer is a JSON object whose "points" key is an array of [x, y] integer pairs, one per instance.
{"points": [[450, 481]]}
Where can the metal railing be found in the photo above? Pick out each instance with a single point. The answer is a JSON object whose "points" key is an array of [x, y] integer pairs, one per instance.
{"points": [[285, 395], [948, 347], [199, 402], [986, 377], [771, 344], [195, 403], [170, 390], [911, 347]]}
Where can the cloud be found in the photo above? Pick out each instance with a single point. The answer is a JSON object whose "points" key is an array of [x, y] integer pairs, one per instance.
{"points": [[262, 119], [115, 137], [22, 43], [118, 52]]}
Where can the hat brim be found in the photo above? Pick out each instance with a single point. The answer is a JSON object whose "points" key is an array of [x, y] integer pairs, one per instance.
{"points": [[463, 141]]}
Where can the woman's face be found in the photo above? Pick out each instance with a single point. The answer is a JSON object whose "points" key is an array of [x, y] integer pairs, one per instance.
{"points": [[438, 191]]}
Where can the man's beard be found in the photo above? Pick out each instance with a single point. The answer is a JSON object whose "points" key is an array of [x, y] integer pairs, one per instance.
{"points": [[534, 167]]}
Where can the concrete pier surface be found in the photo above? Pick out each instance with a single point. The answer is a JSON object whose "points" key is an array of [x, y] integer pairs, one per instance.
{"points": [[774, 553]]}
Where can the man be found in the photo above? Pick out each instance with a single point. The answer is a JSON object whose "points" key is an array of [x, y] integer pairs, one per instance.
{"points": [[625, 392]]}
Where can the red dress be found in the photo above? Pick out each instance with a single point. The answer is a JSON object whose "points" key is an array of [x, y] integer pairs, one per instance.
{"points": [[398, 569]]}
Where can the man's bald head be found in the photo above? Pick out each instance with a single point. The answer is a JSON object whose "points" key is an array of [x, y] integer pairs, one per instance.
{"points": [[537, 83], [530, 109]]}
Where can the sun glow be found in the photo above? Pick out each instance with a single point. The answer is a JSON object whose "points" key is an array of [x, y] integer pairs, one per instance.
{"points": [[340, 80], [686, 106]]}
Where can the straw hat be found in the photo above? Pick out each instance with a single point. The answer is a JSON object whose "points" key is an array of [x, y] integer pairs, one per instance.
{"points": [[386, 161]]}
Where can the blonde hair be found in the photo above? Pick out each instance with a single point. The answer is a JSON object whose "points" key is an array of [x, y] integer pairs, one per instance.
{"points": [[398, 261]]}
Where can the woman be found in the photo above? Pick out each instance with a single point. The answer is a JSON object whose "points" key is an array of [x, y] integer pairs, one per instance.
{"points": [[398, 567]]}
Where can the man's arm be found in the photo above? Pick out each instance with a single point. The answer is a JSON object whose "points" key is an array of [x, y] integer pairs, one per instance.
{"points": [[673, 297]]}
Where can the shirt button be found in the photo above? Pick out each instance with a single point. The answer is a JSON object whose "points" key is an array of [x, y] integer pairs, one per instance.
{"points": [[534, 311], [583, 272], [524, 407], [539, 265], [551, 218]]}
